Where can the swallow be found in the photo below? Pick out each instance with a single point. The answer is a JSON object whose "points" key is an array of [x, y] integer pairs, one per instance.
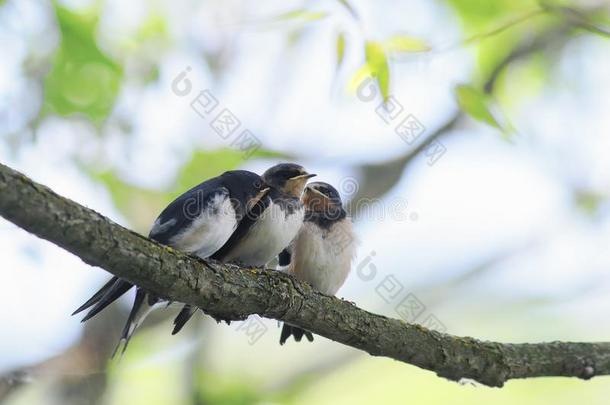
{"points": [[238, 216], [323, 250], [268, 227]]}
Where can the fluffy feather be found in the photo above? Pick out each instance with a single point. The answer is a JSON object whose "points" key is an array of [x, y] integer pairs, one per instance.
{"points": [[320, 256]]}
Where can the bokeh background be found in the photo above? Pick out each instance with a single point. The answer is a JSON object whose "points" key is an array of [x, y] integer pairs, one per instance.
{"points": [[487, 215]]}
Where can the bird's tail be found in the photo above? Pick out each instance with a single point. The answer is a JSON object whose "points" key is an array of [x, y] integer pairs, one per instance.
{"points": [[109, 293], [142, 306], [183, 317], [298, 333]]}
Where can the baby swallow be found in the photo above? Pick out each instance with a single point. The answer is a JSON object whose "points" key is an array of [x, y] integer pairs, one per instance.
{"points": [[324, 248], [238, 216], [272, 221]]}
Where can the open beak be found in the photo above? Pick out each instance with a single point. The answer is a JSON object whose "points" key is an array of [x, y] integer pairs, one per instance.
{"points": [[313, 190]]}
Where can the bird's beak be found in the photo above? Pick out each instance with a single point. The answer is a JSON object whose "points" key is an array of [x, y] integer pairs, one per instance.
{"points": [[303, 176], [313, 190]]}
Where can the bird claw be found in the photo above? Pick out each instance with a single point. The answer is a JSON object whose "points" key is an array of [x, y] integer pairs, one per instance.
{"points": [[220, 319]]}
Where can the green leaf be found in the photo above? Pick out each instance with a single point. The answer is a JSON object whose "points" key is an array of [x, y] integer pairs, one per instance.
{"points": [[404, 43], [138, 205], [596, 23], [153, 27], [340, 49], [82, 79], [357, 78], [377, 62], [495, 28], [588, 201], [476, 104], [301, 14], [479, 16]]}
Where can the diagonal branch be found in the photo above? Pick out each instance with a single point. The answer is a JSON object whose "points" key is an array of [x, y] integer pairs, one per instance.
{"points": [[231, 292]]}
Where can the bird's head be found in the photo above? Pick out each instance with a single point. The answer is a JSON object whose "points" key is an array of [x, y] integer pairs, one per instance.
{"points": [[323, 198], [288, 177]]}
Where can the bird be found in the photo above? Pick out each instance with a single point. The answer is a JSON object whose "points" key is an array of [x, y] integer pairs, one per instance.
{"points": [[323, 251], [237, 217], [268, 226]]}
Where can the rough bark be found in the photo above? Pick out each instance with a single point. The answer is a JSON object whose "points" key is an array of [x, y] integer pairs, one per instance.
{"points": [[231, 292]]}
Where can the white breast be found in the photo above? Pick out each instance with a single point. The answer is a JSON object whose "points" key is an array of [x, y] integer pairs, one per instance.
{"points": [[210, 230], [323, 258], [269, 235]]}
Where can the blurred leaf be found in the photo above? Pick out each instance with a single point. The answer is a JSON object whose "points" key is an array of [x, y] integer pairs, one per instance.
{"points": [[500, 28], [83, 79], [476, 104], [217, 389], [154, 26], [206, 164], [340, 49], [361, 74], [377, 62], [295, 35], [301, 14], [588, 201], [481, 15], [227, 389], [404, 43], [600, 17], [138, 205], [595, 29], [150, 373], [152, 75], [531, 74], [596, 23], [495, 28]]}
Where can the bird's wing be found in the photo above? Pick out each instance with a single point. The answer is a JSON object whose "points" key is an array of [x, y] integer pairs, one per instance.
{"points": [[238, 186], [180, 213], [256, 207]]}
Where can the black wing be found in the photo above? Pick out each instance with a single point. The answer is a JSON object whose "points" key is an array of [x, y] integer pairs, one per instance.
{"points": [[238, 185], [262, 202]]}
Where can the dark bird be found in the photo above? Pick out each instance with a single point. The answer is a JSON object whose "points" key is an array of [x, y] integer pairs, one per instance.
{"points": [[323, 250], [237, 217]]}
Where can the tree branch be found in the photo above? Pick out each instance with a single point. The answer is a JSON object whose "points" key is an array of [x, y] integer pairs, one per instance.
{"points": [[231, 292]]}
